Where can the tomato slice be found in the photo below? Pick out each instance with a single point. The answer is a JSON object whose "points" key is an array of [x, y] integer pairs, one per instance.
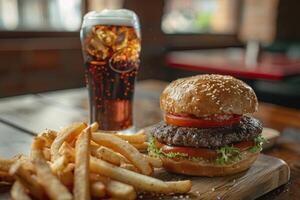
{"points": [[189, 121], [244, 145], [200, 152]]}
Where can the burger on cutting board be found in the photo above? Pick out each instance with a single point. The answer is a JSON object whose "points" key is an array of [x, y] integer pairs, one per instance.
{"points": [[208, 129]]}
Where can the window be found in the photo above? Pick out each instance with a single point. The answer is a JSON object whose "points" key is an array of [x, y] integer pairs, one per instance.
{"points": [[48, 15], [200, 16]]}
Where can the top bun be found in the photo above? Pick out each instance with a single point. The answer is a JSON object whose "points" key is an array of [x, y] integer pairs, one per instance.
{"points": [[205, 95]]}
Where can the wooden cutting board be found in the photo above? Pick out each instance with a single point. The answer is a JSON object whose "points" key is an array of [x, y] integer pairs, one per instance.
{"points": [[266, 174]]}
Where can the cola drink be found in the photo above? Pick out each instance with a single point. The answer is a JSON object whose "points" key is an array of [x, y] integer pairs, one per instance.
{"points": [[111, 46]]}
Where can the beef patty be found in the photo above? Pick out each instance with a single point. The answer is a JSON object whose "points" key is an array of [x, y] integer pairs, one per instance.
{"points": [[247, 129]]}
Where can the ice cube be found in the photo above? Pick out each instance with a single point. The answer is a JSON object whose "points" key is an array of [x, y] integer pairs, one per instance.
{"points": [[95, 48], [106, 36], [125, 60], [122, 38]]}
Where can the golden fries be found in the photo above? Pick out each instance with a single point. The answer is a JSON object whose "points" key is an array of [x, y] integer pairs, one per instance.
{"points": [[124, 148], [154, 162], [82, 154], [59, 164], [98, 189], [115, 189], [53, 187], [108, 155], [80, 163], [66, 134], [5, 164], [141, 146], [6, 177], [47, 153], [120, 190], [180, 187], [137, 138], [94, 127], [18, 192], [129, 167], [48, 136], [66, 175], [27, 179], [137, 180], [67, 150]]}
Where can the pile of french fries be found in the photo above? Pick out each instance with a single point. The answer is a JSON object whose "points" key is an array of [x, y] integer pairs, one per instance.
{"points": [[80, 162]]}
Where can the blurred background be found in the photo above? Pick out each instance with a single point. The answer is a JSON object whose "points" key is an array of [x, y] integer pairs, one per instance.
{"points": [[255, 40]]}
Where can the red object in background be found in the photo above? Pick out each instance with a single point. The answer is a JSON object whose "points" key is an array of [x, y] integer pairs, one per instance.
{"points": [[231, 62]]}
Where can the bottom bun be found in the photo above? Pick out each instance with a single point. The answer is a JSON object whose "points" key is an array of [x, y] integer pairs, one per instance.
{"points": [[203, 168]]}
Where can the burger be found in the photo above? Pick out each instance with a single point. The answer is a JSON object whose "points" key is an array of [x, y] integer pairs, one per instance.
{"points": [[208, 129]]}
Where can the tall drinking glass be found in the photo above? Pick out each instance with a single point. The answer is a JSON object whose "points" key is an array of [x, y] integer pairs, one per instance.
{"points": [[111, 44]]}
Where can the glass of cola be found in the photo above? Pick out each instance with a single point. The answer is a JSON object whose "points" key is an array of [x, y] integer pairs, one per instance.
{"points": [[111, 45]]}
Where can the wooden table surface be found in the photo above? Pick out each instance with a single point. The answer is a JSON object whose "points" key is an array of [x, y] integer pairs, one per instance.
{"points": [[22, 117]]}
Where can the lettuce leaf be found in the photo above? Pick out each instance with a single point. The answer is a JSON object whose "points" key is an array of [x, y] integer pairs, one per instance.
{"points": [[226, 154], [259, 141], [152, 148]]}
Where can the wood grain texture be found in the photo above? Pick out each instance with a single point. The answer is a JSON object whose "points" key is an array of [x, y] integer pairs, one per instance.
{"points": [[266, 174]]}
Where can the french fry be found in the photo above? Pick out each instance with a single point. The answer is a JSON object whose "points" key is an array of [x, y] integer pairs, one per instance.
{"points": [[129, 167], [59, 164], [90, 163], [108, 155], [66, 175], [137, 138], [117, 160], [81, 175], [51, 184], [5, 164], [67, 150], [6, 177], [180, 187], [26, 163], [141, 146], [154, 162], [49, 136], [123, 159], [98, 189], [124, 148], [93, 148], [115, 189], [66, 134], [137, 180], [47, 153], [27, 179], [94, 127], [18, 192]]}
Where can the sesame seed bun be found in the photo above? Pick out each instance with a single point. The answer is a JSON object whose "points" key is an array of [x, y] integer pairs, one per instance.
{"points": [[205, 95]]}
